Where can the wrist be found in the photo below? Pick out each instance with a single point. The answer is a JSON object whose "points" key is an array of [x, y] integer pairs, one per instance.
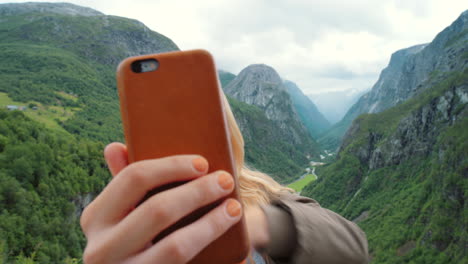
{"points": [[262, 236], [257, 226]]}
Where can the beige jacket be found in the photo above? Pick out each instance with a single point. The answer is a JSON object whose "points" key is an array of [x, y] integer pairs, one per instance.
{"points": [[303, 232]]}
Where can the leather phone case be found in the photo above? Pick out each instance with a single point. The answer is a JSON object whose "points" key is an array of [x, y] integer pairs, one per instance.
{"points": [[177, 109]]}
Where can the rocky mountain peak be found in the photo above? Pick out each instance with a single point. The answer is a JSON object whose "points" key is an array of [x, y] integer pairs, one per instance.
{"points": [[262, 73], [410, 70], [399, 57], [260, 85], [257, 84], [462, 19], [55, 8]]}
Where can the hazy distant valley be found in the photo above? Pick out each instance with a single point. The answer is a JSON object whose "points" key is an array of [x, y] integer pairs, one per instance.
{"points": [[334, 105]]}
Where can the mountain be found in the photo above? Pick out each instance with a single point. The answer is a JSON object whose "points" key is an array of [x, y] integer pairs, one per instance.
{"points": [[80, 30], [261, 86], [334, 104], [269, 123], [310, 116], [225, 77], [64, 56], [401, 173], [409, 72]]}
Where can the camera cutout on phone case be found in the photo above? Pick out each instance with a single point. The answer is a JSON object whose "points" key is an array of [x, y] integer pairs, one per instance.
{"points": [[142, 66]]}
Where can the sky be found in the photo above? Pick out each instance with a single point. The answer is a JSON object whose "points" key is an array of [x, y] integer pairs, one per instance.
{"points": [[321, 45]]}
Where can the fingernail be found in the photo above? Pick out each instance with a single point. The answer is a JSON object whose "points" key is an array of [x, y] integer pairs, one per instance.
{"points": [[225, 181], [233, 208], [200, 164]]}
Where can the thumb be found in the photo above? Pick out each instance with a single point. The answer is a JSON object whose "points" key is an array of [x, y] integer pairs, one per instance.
{"points": [[116, 157]]}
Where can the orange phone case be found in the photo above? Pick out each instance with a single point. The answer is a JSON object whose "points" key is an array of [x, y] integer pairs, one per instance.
{"points": [[177, 109]]}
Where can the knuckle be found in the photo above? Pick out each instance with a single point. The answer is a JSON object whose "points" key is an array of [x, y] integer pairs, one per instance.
{"points": [[92, 255], [137, 175], [217, 224], [178, 161], [201, 193], [157, 210], [178, 252], [85, 219]]}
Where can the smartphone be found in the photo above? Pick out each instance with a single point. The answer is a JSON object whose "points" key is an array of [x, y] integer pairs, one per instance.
{"points": [[171, 104]]}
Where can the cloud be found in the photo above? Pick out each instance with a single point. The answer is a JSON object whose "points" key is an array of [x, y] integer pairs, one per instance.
{"points": [[320, 45]]}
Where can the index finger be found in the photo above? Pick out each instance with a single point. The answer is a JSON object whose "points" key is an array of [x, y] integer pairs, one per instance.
{"points": [[128, 188], [116, 157]]}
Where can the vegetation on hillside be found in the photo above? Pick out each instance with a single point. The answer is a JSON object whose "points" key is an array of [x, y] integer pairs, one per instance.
{"points": [[265, 151], [46, 74], [300, 184], [43, 176], [225, 77], [413, 212]]}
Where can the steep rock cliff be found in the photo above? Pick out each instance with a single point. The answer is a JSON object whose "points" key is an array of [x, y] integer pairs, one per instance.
{"points": [[410, 71]]}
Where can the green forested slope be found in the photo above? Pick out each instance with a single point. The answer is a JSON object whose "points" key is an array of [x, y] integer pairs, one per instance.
{"points": [[39, 73], [403, 176], [43, 177], [225, 77], [46, 52]]}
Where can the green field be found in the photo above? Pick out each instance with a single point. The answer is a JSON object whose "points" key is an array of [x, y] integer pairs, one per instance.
{"points": [[300, 184], [48, 115]]}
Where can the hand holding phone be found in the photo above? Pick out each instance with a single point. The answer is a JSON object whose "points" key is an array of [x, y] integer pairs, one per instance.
{"points": [[171, 105], [119, 233]]}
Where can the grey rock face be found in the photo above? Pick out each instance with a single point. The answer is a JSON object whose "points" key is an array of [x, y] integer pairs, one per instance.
{"points": [[260, 85], [415, 69], [81, 201], [416, 134], [410, 68], [56, 8]]}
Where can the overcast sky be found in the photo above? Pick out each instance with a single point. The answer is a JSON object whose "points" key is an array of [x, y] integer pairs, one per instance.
{"points": [[322, 45]]}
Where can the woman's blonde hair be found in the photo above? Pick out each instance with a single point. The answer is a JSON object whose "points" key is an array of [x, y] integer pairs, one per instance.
{"points": [[256, 188]]}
